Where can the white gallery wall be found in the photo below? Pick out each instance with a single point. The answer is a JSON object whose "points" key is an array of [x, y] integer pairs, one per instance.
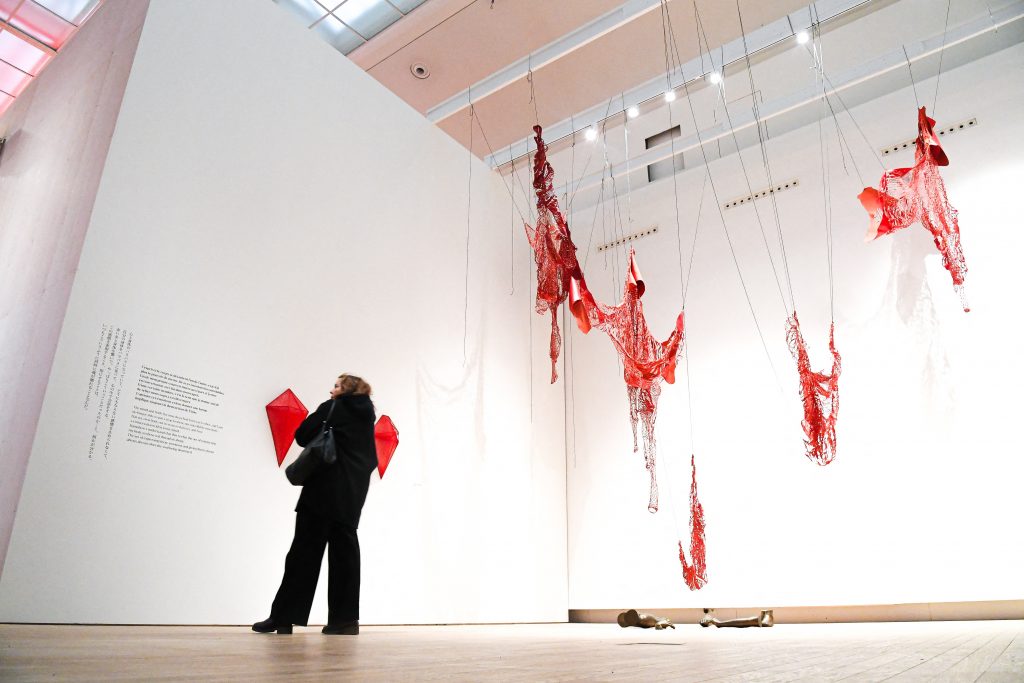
{"points": [[922, 502], [269, 216]]}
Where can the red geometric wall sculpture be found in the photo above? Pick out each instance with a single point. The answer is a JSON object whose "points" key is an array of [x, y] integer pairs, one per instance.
{"points": [[285, 413], [386, 435]]}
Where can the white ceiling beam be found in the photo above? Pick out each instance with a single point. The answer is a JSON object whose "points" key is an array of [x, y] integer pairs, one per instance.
{"points": [[551, 52], [717, 59], [743, 118]]}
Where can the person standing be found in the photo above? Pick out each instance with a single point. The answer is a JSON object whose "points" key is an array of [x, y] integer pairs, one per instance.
{"points": [[327, 515]]}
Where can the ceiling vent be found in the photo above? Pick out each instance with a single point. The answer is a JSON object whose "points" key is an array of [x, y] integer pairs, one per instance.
{"points": [[942, 132], [761, 194], [629, 238], [664, 168], [419, 70]]}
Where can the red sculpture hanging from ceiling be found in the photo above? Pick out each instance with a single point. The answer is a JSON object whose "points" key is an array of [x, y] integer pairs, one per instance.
{"points": [[285, 414], [917, 194], [819, 392], [645, 360], [695, 573], [553, 249]]}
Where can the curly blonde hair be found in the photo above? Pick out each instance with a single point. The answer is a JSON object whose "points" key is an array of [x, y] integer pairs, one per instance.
{"points": [[350, 384]]}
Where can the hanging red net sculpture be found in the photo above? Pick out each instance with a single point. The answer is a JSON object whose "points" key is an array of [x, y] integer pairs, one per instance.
{"points": [[645, 360], [917, 194], [820, 394], [285, 414], [553, 250], [696, 573]]}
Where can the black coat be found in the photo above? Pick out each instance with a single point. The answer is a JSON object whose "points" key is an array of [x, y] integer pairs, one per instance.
{"points": [[338, 491]]}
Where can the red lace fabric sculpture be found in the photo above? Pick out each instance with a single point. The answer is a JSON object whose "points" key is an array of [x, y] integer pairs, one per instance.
{"points": [[695, 574], [820, 394], [645, 360], [917, 194], [553, 250]]}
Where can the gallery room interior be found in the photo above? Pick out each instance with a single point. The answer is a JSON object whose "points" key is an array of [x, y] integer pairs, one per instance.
{"points": [[609, 267]]}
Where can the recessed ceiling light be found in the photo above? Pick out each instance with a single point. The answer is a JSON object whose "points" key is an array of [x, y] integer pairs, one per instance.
{"points": [[590, 134], [670, 96], [633, 112], [419, 70], [714, 78], [802, 37]]}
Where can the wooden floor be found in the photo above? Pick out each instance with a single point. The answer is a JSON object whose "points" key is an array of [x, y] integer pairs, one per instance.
{"points": [[919, 651]]}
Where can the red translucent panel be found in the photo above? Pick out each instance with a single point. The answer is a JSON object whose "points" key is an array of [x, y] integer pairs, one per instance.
{"points": [[386, 436], [285, 414], [21, 54], [42, 25], [12, 81]]}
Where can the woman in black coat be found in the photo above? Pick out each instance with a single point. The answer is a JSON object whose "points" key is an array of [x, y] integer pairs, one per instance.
{"points": [[327, 514]]}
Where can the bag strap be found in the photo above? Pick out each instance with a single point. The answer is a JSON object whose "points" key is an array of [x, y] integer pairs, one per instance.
{"points": [[330, 412]]}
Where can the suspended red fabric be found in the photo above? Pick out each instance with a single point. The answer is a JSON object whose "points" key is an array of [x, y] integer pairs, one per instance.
{"points": [[917, 194], [820, 394], [695, 574], [645, 360], [385, 434], [553, 249], [285, 414]]}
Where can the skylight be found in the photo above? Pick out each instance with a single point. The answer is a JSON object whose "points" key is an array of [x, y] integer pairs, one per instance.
{"points": [[347, 24], [32, 32]]}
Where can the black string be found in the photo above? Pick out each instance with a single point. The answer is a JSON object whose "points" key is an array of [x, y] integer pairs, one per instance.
{"points": [[725, 228], [469, 213], [942, 53], [911, 72], [764, 157]]}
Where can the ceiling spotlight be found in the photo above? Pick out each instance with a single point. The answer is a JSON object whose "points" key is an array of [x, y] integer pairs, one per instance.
{"points": [[802, 37], [714, 78], [590, 134], [670, 96], [633, 112]]}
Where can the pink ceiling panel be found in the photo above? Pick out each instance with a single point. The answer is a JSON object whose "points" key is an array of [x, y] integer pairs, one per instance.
{"points": [[12, 81], [7, 7], [17, 52], [42, 24], [5, 101]]}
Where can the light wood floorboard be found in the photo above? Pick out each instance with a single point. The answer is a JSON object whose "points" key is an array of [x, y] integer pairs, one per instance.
{"points": [[990, 651]]}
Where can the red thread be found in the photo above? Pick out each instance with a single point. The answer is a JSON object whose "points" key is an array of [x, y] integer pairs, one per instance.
{"points": [[553, 249], [820, 394], [917, 194], [695, 574], [645, 360]]}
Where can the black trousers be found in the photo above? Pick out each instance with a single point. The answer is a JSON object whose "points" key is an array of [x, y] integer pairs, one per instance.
{"points": [[302, 569]]}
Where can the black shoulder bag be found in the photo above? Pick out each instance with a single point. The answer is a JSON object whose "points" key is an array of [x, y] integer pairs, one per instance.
{"points": [[320, 451]]}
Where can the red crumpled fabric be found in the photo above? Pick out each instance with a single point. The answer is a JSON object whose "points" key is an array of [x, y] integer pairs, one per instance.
{"points": [[645, 360], [819, 392], [696, 573], [553, 249], [917, 194]]}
